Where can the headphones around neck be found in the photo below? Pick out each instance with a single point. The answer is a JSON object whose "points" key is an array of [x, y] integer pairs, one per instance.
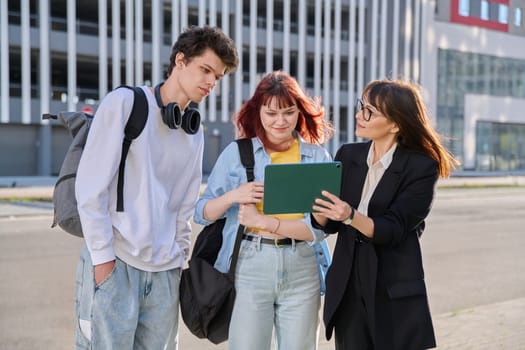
{"points": [[189, 121]]}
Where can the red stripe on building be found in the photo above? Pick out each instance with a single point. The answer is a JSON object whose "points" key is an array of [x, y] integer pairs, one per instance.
{"points": [[455, 17]]}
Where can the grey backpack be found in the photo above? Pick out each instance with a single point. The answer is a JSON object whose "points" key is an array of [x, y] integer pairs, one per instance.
{"points": [[65, 204]]}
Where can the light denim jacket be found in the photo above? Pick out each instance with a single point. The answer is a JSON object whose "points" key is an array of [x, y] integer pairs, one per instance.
{"points": [[228, 173]]}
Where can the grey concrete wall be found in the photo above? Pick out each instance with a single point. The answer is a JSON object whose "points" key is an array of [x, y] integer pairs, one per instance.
{"points": [[19, 147], [513, 28], [442, 10]]}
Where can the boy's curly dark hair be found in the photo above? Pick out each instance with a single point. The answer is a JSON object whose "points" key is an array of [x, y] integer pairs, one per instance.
{"points": [[195, 40]]}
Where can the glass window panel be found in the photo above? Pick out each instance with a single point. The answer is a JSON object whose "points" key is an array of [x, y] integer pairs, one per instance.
{"points": [[484, 153], [484, 10], [517, 17], [503, 14], [464, 7]]}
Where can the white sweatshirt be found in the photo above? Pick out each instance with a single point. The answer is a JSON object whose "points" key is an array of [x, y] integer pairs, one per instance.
{"points": [[162, 179]]}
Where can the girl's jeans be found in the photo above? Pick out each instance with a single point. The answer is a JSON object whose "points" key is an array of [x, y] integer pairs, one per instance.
{"points": [[276, 286]]}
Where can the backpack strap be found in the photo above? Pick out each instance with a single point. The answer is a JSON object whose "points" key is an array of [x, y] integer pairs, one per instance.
{"points": [[248, 161], [246, 151], [134, 126]]}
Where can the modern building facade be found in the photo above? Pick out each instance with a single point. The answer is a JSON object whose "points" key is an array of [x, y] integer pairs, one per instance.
{"points": [[467, 54], [474, 70]]}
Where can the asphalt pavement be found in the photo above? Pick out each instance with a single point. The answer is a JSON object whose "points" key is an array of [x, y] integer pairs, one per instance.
{"points": [[496, 325]]}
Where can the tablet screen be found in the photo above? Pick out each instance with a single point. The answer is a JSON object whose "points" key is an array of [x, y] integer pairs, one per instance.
{"points": [[292, 188]]}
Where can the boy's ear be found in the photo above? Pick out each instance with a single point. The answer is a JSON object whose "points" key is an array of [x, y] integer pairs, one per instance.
{"points": [[180, 59]]}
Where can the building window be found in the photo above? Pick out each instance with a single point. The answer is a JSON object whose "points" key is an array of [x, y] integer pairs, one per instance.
{"points": [[503, 14], [461, 73], [484, 10], [517, 17], [464, 8]]}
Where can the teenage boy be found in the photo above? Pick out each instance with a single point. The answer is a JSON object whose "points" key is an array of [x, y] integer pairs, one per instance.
{"points": [[129, 269]]}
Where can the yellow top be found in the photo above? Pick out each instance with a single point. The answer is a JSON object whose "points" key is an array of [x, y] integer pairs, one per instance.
{"points": [[291, 155]]}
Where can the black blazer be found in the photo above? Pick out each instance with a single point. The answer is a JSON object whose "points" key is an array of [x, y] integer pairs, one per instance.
{"points": [[399, 314]]}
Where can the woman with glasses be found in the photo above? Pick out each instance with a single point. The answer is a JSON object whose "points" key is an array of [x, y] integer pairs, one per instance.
{"points": [[376, 295]]}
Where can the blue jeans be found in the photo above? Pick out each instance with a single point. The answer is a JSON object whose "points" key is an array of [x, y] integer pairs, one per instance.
{"points": [[276, 287], [131, 309]]}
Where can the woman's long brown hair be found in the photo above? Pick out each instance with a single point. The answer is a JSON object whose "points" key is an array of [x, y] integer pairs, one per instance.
{"points": [[402, 103]]}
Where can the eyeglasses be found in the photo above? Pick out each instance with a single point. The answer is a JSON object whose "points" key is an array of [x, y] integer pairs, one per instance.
{"points": [[365, 111]]}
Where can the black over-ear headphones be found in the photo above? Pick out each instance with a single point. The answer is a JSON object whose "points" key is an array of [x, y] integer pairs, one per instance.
{"points": [[174, 119]]}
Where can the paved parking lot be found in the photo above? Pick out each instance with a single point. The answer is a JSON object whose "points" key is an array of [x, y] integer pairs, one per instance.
{"points": [[473, 254]]}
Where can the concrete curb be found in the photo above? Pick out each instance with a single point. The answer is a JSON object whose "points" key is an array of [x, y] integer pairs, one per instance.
{"points": [[38, 192], [42, 187], [478, 181]]}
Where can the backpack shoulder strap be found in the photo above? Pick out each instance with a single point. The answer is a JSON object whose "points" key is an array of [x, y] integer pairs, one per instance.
{"points": [[248, 161], [139, 114], [246, 151], [134, 126]]}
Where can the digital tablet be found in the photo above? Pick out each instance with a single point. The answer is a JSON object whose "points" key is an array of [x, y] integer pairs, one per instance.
{"points": [[292, 188]]}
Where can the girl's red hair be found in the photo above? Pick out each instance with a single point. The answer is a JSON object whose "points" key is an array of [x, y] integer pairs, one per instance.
{"points": [[311, 125]]}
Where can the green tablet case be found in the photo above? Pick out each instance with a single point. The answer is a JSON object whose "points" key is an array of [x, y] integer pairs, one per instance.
{"points": [[292, 188]]}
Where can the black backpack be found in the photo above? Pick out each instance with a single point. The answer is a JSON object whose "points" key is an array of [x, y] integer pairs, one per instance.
{"points": [[78, 124], [207, 295]]}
